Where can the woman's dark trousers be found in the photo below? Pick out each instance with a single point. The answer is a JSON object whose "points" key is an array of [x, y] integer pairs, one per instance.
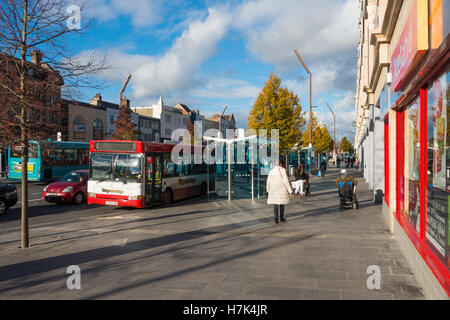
{"points": [[280, 208]]}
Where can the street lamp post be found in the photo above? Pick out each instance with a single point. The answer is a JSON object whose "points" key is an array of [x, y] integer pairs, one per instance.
{"points": [[334, 133], [220, 123], [310, 98]]}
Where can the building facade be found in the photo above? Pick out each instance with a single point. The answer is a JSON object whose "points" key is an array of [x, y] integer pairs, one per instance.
{"points": [[196, 121], [149, 128], [86, 121], [226, 122], [171, 118], [46, 114], [112, 114], [402, 129]]}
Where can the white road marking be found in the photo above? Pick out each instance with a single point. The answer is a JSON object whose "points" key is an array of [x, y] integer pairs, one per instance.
{"points": [[31, 200]]}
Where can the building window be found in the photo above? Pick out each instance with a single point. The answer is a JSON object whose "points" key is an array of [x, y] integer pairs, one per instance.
{"points": [[168, 118], [168, 132], [185, 122], [97, 130], [411, 165], [111, 119], [437, 218], [79, 128]]}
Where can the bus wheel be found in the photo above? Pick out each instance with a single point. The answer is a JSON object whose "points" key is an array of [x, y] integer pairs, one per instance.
{"points": [[78, 198], [168, 198]]}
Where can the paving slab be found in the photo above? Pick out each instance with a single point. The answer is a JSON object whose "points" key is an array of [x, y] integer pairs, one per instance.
{"points": [[200, 249]]}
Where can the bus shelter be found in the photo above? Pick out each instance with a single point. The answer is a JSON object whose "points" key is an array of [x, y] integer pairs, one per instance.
{"points": [[241, 168], [309, 160]]}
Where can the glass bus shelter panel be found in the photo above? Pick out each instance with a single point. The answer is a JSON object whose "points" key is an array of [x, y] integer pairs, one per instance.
{"points": [[241, 174], [241, 184]]}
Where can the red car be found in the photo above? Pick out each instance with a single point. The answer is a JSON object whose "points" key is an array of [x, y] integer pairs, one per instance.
{"points": [[70, 188]]}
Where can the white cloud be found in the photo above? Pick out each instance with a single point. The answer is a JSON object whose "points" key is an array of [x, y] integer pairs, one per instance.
{"points": [[226, 88], [317, 28], [175, 70], [143, 13], [324, 31], [178, 68]]}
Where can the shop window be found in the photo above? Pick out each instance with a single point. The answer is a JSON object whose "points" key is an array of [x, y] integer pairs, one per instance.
{"points": [[411, 165], [437, 222]]}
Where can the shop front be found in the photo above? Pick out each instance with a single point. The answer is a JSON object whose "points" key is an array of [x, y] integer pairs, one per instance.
{"points": [[420, 77]]}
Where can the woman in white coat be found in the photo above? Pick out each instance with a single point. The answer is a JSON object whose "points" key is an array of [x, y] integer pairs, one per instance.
{"points": [[279, 189]]}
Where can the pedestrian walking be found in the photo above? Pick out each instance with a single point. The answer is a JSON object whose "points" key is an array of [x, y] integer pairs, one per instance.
{"points": [[338, 161], [279, 189], [323, 167], [352, 161], [357, 164]]}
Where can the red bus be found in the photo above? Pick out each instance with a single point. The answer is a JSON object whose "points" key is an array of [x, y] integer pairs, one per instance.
{"points": [[140, 174]]}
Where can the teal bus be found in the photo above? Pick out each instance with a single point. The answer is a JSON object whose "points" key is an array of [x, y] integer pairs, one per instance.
{"points": [[48, 160]]}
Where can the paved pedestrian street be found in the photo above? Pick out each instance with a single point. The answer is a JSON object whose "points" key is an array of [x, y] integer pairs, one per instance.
{"points": [[199, 249]]}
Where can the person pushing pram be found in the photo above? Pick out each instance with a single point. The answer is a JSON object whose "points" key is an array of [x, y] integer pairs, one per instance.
{"points": [[347, 190]]}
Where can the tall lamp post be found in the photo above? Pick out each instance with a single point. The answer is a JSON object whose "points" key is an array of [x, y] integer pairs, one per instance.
{"points": [[219, 134], [310, 99], [334, 133]]}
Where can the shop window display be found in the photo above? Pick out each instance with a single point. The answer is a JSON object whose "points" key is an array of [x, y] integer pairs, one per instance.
{"points": [[411, 208], [437, 225]]}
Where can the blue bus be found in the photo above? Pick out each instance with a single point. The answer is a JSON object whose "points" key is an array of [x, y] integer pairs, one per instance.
{"points": [[48, 160]]}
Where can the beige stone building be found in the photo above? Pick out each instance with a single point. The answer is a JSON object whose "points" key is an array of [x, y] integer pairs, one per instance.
{"points": [[227, 122], [402, 128]]}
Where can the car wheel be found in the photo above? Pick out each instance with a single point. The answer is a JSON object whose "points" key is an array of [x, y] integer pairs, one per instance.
{"points": [[2, 207], [78, 198]]}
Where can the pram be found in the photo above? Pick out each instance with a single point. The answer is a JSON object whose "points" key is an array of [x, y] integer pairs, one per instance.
{"points": [[347, 195]]}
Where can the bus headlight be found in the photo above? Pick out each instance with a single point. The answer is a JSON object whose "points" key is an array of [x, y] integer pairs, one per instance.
{"points": [[90, 194], [135, 198], [67, 189]]}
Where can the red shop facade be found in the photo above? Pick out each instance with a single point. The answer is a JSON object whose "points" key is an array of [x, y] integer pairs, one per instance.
{"points": [[421, 81]]}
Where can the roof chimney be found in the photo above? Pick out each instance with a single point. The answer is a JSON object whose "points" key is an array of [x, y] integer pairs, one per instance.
{"points": [[97, 100], [36, 57]]}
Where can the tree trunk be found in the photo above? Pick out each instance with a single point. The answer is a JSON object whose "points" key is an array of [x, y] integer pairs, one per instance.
{"points": [[23, 128], [25, 236]]}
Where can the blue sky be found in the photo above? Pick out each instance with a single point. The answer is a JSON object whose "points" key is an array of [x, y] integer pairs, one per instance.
{"points": [[208, 54]]}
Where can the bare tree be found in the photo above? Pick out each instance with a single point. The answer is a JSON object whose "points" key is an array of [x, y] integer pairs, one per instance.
{"points": [[36, 65]]}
